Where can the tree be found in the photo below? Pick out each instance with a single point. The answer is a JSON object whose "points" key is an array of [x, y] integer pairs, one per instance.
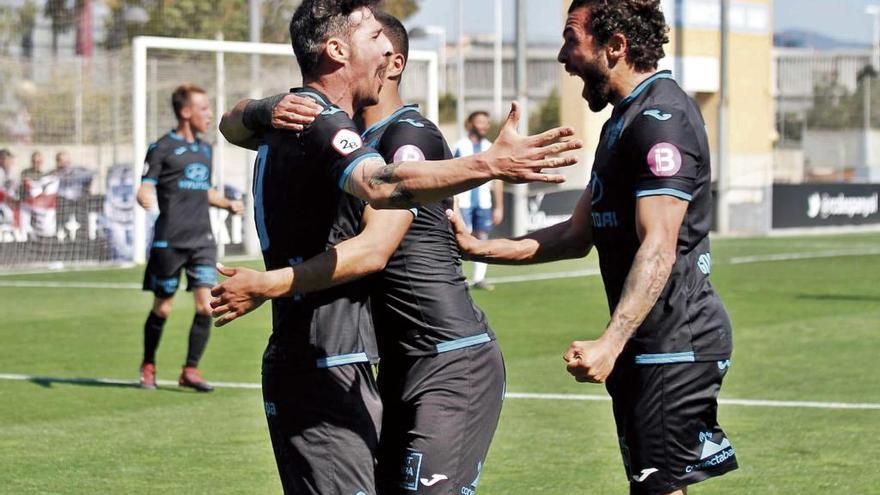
{"points": [[62, 19], [547, 116], [27, 17], [203, 19], [401, 9]]}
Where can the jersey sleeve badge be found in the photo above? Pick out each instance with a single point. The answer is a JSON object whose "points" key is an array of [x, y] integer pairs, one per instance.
{"points": [[346, 142], [408, 153], [664, 159]]}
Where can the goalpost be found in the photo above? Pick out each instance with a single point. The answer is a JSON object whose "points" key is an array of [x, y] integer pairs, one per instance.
{"points": [[420, 86]]}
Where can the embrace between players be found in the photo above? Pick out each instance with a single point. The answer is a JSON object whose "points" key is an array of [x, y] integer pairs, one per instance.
{"points": [[362, 255]]}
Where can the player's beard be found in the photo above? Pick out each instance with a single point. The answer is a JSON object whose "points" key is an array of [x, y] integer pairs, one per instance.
{"points": [[597, 87], [370, 94]]}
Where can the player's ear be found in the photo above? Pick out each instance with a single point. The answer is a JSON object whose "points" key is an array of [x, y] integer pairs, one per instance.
{"points": [[616, 48], [337, 50], [186, 112], [395, 67]]}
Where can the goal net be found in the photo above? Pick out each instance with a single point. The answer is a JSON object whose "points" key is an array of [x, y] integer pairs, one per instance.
{"points": [[126, 100]]}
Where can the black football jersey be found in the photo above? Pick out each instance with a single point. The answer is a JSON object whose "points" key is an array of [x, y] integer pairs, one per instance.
{"points": [[181, 173], [421, 304], [655, 143], [300, 212]]}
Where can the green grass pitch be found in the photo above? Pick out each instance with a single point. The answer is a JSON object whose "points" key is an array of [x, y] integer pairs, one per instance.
{"points": [[804, 330]]}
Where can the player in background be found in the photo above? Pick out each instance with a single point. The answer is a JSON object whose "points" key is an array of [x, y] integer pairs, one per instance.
{"points": [[441, 377], [177, 176], [482, 207], [648, 210]]}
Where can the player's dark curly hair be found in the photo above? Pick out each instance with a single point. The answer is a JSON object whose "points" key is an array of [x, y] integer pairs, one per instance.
{"points": [[640, 21], [316, 21]]}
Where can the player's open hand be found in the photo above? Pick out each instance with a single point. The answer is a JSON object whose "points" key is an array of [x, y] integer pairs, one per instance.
{"points": [[518, 159], [238, 295], [590, 360], [294, 112], [467, 243]]}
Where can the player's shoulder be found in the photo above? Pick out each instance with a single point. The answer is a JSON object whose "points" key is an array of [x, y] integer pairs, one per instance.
{"points": [[411, 120], [164, 145], [664, 114], [166, 141]]}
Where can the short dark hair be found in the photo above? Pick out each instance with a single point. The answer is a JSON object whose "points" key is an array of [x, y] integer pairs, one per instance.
{"points": [[180, 97], [640, 21], [395, 32], [316, 21], [476, 114]]}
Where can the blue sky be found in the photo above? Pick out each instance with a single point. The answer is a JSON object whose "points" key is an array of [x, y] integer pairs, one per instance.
{"points": [[842, 19]]}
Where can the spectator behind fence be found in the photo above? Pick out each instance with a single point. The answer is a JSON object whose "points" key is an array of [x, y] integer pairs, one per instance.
{"points": [[8, 188], [36, 170], [73, 189], [7, 166]]}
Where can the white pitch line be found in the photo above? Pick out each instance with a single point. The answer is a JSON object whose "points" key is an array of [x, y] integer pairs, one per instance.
{"points": [[731, 402], [67, 285], [508, 395], [741, 260], [589, 272]]}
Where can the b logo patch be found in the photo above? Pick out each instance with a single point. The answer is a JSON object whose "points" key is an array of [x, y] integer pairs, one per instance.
{"points": [[664, 160], [346, 141], [408, 153]]}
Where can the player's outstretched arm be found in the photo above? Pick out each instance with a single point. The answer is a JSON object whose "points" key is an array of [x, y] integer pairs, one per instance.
{"points": [[570, 239], [658, 221], [243, 124], [512, 158], [368, 252]]}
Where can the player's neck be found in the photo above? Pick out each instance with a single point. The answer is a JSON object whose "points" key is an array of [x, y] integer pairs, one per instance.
{"points": [[184, 130], [474, 138], [335, 89], [624, 82], [389, 102]]}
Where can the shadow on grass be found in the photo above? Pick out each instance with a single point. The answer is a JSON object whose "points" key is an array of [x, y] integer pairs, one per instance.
{"points": [[839, 297], [50, 381]]}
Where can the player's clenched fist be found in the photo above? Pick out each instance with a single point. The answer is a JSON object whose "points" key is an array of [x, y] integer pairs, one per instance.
{"points": [[591, 360]]}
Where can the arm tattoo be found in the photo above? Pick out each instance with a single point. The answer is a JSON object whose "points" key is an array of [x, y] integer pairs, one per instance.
{"points": [[384, 175], [648, 276], [401, 197]]}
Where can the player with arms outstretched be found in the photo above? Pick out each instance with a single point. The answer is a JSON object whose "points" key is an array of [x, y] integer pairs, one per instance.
{"points": [[647, 209]]}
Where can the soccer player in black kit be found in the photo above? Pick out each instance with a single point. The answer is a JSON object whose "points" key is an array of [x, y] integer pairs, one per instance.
{"points": [[441, 376], [177, 173], [647, 210], [320, 396]]}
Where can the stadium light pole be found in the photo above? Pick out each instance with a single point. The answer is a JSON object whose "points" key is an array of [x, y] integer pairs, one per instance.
{"points": [[251, 241], [723, 164], [498, 63], [873, 11], [459, 100], [519, 220]]}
